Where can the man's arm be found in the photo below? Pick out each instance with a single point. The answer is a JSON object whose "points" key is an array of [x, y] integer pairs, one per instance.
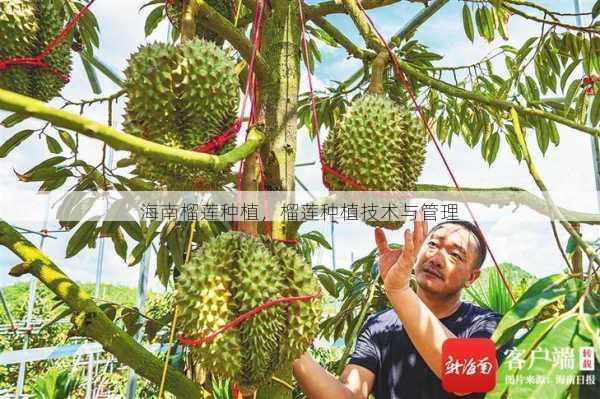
{"points": [[426, 332], [355, 382]]}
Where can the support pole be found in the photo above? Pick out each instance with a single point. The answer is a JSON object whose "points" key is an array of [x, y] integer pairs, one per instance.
{"points": [[141, 300], [30, 305]]}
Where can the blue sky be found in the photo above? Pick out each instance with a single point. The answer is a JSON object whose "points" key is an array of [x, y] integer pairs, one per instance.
{"points": [[528, 244]]}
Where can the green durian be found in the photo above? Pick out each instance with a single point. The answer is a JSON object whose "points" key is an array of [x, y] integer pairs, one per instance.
{"points": [[230, 275], [380, 145], [180, 96], [223, 7], [26, 27]]}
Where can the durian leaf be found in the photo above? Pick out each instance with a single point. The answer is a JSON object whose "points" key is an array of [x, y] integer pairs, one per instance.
{"points": [[119, 243], [102, 67], [85, 234], [90, 72], [14, 142], [163, 265], [596, 9], [52, 184], [136, 254], [542, 292], [68, 140], [53, 145], [156, 15], [14, 119], [595, 111], [468, 22], [328, 283]]}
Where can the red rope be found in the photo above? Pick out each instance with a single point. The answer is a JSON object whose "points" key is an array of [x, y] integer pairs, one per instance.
{"points": [[413, 97], [38, 60], [207, 338]]}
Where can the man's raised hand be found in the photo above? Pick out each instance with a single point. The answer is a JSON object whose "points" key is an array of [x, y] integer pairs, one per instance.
{"points": [[395, 265]]}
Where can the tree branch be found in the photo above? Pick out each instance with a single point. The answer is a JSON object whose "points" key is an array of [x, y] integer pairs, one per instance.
{"points": [[417, 21], [363, 26], [454, 91], [542, 186], [588, 29], [499, 196], [344, 41], [14, 102], [214, 21], [91, 320], [332, 7]]}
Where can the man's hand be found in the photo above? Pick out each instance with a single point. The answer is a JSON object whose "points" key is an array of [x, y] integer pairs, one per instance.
{"points": [[395, 265]]}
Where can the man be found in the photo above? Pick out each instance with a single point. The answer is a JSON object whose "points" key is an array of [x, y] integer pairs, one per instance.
{"points": [[398, 352]]}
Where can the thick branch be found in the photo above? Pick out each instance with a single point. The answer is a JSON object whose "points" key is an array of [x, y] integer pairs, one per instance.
{"points": [[454, 91], [341, 39], [214, 21], [498, 196], [363, 26], [90, 319], [417, 21], [332, 7], [14, 102]]}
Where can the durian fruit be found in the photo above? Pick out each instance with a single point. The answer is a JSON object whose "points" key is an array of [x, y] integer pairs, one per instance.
{"points": [[180, 96], [380, 145], [26, 27], [230, 275], [223, 7]]}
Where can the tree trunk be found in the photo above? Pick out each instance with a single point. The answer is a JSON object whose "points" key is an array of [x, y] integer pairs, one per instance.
{"points": [[278, 103]]}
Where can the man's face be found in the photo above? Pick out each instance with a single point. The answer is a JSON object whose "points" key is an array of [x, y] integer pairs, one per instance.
{"points": [[445, 262]]}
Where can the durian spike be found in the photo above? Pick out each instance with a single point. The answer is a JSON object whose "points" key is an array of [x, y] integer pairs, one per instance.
{"points": [[377, 73]]}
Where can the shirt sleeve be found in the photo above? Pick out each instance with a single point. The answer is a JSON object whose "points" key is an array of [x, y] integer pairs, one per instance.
{"points": [[366, 353], [484, 327]]}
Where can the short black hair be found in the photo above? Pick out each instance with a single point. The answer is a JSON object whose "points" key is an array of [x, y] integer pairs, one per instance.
{"points": [[481, 248]]}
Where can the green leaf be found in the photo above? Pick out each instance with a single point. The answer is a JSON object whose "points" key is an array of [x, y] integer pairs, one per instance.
{"points": [[14, 119], [468, 22], [68, 140], [566, 333], [14, 141], [53, 145], [554, 136], [153, 20], [90, 72], [480, 22], [571, 246], [567, 73], [541, 293], [596, 9], [533, 89], [82, 237], [542, 135], [318, 237], [119, 243], [595, 111], [134, 230], [52, 184], [163, 265], [136, 255], [328, 283], [571, 92]]}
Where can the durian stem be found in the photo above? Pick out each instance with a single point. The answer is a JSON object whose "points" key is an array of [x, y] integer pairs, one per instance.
{"points": [[90, 320], [542, 186], [188, 21], [377, 73], [14, 102], [362, 25]]}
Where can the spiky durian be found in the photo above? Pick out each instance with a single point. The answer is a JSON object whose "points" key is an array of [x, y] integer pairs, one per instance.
{"points": [[381, 146], [232, 274], [180, 96], [26, 27], [223, 7]]}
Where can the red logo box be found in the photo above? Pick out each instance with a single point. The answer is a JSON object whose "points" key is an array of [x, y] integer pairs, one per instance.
{"points": [[469, 365]]}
